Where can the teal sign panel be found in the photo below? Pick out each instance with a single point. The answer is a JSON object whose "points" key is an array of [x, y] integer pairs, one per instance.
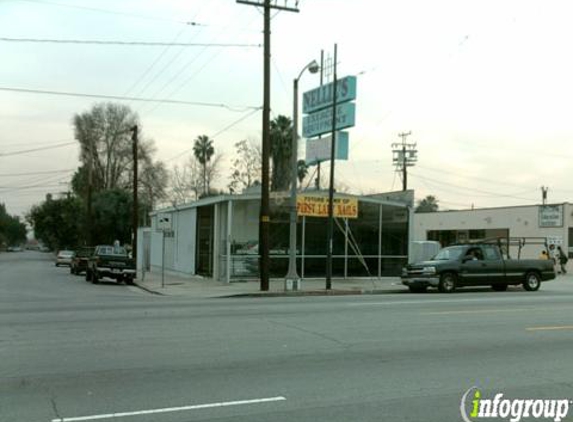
{"points": [[321, 97], [320, 122]]}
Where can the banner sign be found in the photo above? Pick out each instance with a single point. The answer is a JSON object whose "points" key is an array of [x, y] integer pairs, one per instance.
{"points": [[318, 149], [321, 97], [321, 122], [317, 206], [551, 216]]}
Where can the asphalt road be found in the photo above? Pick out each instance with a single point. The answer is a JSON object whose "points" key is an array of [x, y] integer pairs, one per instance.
{"points": [[71, 351]]}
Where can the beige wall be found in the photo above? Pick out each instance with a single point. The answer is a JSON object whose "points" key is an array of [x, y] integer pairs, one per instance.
{"points": [[521, 221]]}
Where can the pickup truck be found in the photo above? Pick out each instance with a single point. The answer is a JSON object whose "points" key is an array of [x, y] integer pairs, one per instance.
{"points": [[476, 265], [112, 262], [80, 260]]}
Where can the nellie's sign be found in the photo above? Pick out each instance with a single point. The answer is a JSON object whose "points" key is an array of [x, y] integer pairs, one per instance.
{"points": [[317, 206]]}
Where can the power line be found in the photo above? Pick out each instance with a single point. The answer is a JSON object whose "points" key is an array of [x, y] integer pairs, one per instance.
{"points": [[114, 12], [35, 173], [472, 191], [127, 43], [8, 154], [226, 128], [125, 98]]}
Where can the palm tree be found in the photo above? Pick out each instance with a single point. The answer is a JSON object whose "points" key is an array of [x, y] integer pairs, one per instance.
{"points": [[301, 170], [203, 150], [281, 146], [428, 204]]}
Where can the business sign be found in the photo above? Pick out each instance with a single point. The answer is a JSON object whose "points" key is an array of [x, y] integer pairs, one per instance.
{"points": [[319, 149], [317, 206], [321, 97], [164, 222], [551, 216], [321, 121]]}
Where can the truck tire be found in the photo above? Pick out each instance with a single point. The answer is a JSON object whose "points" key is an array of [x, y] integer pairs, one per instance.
{"points": [[88, 275], [499, 287], [532, 281], [129, 281], [94, 277], [417, 289], [447, 283]]}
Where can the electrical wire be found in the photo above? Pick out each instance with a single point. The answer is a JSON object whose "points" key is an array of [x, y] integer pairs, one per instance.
{"points": [[113, 12], [126, 43], [126, 98], [35, 173], [26, 151], [226, 128]]}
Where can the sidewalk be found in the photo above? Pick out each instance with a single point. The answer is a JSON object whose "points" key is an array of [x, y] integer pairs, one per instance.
{"points": [[199, 287]]}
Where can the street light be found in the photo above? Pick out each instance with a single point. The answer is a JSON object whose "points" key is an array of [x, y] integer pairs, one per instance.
{"points": [[292, 276]]}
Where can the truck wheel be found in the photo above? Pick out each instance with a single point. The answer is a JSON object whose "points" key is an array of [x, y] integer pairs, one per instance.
{"points": [[94, 277], [88, 275], [447, 283], [532, 282], [417, 289], [499, 287], [129, 281]]}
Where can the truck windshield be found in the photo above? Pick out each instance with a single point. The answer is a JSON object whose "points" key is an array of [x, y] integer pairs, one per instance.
{"points": [[449, 254]]}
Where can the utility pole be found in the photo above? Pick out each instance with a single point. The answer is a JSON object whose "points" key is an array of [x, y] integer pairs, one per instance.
{"points": [[330, 225], [135, 216], [405, 155], [544, 191], [264, 220], [89, 238]]}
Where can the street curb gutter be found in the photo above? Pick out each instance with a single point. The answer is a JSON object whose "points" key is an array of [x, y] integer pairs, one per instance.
{"points": [[153, 292], [314, 293]]}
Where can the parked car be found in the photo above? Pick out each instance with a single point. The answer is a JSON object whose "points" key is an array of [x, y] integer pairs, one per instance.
{"points": [[476, 264], [80, 260], [14, 249], [64, 257], [110, 261]]}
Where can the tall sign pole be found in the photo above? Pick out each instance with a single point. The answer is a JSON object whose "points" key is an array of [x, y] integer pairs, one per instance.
{"points": [[135, 215], [330, 227], [264, 219]]}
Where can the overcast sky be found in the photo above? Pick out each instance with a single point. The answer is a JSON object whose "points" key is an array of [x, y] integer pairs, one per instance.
{"points": [[484, 87]]}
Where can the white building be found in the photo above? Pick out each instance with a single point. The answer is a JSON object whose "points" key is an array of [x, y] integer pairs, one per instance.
{"points": [[554, 222], [217, 237]]}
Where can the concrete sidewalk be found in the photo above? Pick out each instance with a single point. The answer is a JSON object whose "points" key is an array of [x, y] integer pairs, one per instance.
{"points": [[199, 287]]}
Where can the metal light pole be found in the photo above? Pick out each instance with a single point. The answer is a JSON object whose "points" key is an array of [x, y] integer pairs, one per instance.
{"points": [[292, 275]]}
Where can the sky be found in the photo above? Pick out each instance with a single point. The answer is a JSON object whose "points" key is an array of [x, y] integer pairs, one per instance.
{"points": [[485, 87]]}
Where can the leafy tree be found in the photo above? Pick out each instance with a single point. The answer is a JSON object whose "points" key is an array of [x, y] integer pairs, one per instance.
{"points": [[112, 216], [58, 222], [428, 204], [104, 134], [203, 150], [301, 170], [246, 170], [12, 230], [281, 150]]}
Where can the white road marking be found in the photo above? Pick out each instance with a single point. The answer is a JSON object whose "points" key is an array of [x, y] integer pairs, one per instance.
{"points": [[554, 328], [488, 300], [170, 409]]}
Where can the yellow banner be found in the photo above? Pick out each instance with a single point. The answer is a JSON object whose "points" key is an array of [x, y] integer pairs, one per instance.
{"points": [[317, 206]]}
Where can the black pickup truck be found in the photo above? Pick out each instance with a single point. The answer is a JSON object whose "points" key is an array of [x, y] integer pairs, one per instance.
{"points": [[112, 262], [476, 265]]}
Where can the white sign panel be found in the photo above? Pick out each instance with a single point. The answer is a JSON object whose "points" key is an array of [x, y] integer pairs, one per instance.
{"points": [[318, 150], [164, 222], [551, 216]]}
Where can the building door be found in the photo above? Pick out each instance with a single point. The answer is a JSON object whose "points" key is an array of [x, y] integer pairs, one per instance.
{"points": [[205, 229]]}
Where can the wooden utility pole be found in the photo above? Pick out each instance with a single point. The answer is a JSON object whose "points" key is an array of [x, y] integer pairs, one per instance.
{"points": [[404, 157], [264, 220], [135, 215]]}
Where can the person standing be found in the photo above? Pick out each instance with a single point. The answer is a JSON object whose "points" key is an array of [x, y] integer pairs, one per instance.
{"points": [[554, 256], [562, 260]]}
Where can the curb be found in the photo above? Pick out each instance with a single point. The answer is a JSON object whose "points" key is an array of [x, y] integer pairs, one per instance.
{"points": [[148, 290], [313, 293]]}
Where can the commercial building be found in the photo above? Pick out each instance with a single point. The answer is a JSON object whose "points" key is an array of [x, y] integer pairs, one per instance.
{"points": [[217, 237], [553, 222]]}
